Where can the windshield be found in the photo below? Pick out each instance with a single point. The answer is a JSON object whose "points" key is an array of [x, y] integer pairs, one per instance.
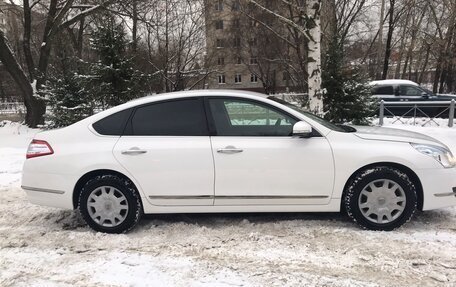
{"points": [[323, 122]]}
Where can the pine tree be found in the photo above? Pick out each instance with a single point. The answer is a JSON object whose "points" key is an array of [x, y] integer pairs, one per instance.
{"points": [[112, 80], [66, 97], [346, 95]]}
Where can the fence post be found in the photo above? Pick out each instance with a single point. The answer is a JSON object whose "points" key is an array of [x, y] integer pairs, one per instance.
{"points": [[382, 112], [451, 116]]}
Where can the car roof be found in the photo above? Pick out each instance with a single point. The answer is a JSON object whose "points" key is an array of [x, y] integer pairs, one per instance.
{"points": [[196, 93], [392, 82]]}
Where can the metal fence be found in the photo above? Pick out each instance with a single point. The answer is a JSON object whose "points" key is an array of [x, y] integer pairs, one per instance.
{"points": [[11, 108], [400, 110]]}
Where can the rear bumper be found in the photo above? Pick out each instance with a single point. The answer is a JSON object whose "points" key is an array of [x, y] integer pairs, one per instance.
{"points": [[48, 189], [439, 187]]}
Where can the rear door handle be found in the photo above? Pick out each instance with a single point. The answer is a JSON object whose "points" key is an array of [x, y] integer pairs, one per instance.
{"points": [[229, 150], [133, 151]]}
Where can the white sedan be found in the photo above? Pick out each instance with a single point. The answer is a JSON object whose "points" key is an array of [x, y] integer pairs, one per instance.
{"points": [[231, 151]]}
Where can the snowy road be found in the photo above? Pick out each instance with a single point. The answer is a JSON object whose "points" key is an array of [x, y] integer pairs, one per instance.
{"points": [[49, 247]]}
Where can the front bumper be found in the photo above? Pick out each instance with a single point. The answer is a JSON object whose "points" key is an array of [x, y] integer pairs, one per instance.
{"points": [[439, 187]]}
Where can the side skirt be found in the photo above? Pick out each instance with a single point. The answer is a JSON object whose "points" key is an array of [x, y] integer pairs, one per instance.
{"points": [[332, 206]]}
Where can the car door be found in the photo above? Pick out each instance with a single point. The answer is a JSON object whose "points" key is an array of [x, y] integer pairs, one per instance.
{"points": [[259, 162], [167, 149]]}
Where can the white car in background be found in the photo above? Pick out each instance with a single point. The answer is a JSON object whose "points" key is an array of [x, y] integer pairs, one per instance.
{"points": [[231, 151]]}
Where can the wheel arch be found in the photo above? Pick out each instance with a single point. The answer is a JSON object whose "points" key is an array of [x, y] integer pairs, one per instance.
{"points": [[408, 171], [91, 174]]}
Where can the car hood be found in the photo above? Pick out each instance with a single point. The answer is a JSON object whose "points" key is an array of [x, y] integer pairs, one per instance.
{"points": [[392, 134]]}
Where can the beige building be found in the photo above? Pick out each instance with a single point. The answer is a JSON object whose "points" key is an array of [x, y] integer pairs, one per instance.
{"points": [[251, 49], [243, 53]]}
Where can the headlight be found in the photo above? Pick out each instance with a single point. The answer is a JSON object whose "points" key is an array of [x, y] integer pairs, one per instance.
{"points": [[440, 154]]}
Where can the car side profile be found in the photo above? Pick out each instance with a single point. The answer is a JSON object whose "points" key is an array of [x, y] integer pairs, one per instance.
{"points": [[400, 90], [230, 151], [409, 91]]}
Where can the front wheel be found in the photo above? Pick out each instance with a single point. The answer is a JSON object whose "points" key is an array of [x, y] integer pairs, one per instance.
{"points": [[110, 204], [381, 198]]}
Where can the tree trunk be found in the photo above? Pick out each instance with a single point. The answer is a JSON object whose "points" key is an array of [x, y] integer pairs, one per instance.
{"points": [[35, 107], [388, 40], [26, 42], [380, 39], [425, 64], [135, 26], [397, 72], [314, 57]]}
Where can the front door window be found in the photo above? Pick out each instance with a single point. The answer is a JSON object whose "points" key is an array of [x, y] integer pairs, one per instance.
{"points": [[233, 117]]}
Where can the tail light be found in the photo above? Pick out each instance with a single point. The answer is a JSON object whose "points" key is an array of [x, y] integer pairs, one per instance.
{"points": [[39, 148]]}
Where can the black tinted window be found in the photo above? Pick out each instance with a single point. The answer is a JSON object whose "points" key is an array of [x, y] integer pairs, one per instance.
{"points": [[383, 90], [176, 118], [114, 124]]}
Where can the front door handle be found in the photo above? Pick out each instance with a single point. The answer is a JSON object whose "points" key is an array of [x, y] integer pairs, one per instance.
{"points": [[133, 151], [229, 150]]}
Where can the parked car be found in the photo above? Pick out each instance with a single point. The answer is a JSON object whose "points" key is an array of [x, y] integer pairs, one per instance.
{"points": [[408, 91], [232, 151]]}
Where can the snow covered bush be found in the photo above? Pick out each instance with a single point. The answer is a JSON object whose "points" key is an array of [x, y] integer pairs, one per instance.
{"points": [[346, 95], [76, 87], [67, 100], [112, 80]]}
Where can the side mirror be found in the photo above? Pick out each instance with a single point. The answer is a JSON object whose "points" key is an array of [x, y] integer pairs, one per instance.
{"points": [[425, 95], [302, 129]]}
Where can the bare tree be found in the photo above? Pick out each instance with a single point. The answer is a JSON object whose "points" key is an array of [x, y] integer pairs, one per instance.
{"points": [[303, 19], [176, 42], [59, 16]]}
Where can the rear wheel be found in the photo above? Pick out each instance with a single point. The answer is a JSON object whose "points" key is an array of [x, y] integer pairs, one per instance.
{"points": [[110, 204], [381, 198]]}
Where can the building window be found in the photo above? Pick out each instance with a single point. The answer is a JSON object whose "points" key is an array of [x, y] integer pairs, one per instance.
{"points": [[286, 76], [253, 61], [236, 23], [253, 42], [253, 78], [237, 42], [236, 5], [220, 43], [221, 61], [238, 78], [219, 25], [238, 61], [219, 5], [221, 79]]}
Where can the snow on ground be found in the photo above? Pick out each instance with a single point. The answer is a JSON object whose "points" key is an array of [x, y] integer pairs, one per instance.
{"points": [[42, 246]]}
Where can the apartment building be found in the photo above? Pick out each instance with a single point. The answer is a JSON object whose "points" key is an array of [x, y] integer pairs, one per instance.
{"points": [[242, 51]]}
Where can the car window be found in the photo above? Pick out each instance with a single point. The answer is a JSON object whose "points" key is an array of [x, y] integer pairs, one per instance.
{"points": [[410, 91], [173, 118], [113, 125], [383, 90], [235, 117]]}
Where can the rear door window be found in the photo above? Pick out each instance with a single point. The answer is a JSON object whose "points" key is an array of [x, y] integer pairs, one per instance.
{"points": [[184, 117], [383, 90]]}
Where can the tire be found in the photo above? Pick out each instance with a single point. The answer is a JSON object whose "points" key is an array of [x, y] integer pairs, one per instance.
{"points": [[375, 199], [110, 204]]}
